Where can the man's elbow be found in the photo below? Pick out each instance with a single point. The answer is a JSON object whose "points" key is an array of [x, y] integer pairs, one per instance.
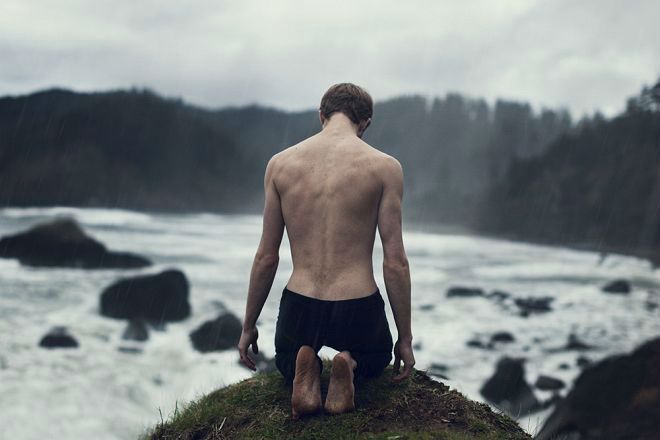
{"points": [[397, 264], [267, 259]]}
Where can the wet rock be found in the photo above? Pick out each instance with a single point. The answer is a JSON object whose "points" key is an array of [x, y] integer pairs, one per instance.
{"points": [[136, 330], [464, 292], [221, 333], [528, 306], [417, 346], [475, 343], [583, 361], [58, 337], [508, 389], [157, 298], [130, 350], [498, 295], [564, 366], [502, 337], [575, 343], [438, 370], [616, 398], [548, 383], [617, 286], [427, 307], [63, 243]]}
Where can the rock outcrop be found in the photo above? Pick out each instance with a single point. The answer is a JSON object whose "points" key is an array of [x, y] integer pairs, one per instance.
{"points": [[618, 286], [157, 298], [221, 333], [63, 243], [508, 389], [260, 407], [58, 337], [616, 398]]}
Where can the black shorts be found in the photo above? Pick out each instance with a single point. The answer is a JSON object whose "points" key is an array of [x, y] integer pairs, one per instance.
{"points": [[355, 325]]}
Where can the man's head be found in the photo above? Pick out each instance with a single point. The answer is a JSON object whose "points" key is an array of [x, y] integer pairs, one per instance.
{"points": [[351, 100]]}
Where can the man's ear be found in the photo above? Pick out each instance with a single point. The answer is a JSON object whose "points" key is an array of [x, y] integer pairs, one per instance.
{"points": [[321, 117], [363, 126]]}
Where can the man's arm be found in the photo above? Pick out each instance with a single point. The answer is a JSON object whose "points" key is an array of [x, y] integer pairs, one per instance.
{"points": [[396, 271], [264, 265]]}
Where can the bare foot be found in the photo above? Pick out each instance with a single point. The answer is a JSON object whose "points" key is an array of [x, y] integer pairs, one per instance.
{"points": [[306, 397], [341, 391]]}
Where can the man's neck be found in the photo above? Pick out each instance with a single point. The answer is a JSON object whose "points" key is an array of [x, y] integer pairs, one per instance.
{"points": [[339, 125]]}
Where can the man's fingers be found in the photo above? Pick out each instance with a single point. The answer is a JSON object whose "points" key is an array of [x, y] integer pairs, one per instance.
{"points": [[407, 369], [397, 364], [245, 359]]}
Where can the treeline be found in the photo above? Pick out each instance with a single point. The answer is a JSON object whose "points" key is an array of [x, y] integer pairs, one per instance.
{"points": [[138, 150], [598, 185]]}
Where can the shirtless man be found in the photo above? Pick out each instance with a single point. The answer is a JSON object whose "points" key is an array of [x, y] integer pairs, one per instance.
{"points": [[331, 191]]}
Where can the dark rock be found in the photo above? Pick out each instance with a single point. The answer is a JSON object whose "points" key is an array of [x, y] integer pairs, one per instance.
{"points": [[464, 292], [564, 366], [529, 306], [498, 295], [156, 298], [475, 343], [502, 337], [58, 337], [617, 286], [63, 243], [417, 346], [438, 370], [221, 333], [616, 398], [508, 389], [136, 330], [427, 307], [548, 383], [130, 350], [583, 361], [574, 343]]}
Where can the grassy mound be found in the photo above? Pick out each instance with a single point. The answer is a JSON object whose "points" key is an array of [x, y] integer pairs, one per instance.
{"points": [[260, 407]]}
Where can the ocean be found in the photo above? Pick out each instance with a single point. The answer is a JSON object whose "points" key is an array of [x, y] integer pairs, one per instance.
{"points": [[109, 388]]}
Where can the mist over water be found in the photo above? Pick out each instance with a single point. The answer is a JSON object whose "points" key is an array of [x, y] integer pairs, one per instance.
{"points": [[99, 391]]}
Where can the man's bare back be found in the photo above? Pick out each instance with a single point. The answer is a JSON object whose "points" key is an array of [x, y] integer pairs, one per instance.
{"points": [[330, 187], [331, 191]]}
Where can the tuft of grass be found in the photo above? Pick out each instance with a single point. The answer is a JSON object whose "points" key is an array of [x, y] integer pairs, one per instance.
{"points": [[260, 408]]}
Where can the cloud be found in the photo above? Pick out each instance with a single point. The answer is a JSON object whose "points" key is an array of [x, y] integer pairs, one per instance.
{"points": [[583, 55]]}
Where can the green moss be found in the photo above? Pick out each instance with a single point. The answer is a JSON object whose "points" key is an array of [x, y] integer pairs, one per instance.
{"points": [[259, 408]]}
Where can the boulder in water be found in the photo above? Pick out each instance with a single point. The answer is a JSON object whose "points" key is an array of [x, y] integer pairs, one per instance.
{"points": [[548, 383], [63, 243], [136, 330], [157, 298], [464, 292], [218, 334], [508, 389], [58, 337], [502, 337], [529, 306], [618, 286], [616, 398]]}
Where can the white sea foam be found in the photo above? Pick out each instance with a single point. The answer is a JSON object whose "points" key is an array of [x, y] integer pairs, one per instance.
{"points": [[98, 391]]}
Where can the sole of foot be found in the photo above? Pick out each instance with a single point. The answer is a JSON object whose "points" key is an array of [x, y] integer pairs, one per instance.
{"points": [[341, 391], [306, 396]]}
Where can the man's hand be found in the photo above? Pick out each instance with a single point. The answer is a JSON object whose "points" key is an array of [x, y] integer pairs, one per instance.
{"points": [[403, 352], [248, 337]]}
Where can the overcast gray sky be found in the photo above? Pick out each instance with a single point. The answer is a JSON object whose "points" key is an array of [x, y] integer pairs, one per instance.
{"points": [[584, 55]]}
